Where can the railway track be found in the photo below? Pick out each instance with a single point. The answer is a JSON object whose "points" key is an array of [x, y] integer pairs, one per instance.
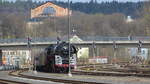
{"points": [[2, 81], [119, 74], [89, 73], [110, 70], [18, 74]]}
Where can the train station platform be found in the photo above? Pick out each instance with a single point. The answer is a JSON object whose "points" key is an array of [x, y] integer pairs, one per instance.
{"points": [[94, 79]]}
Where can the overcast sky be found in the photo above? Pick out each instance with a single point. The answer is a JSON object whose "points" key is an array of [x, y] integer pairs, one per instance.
{"points": [[101, 0], [89, 0]]}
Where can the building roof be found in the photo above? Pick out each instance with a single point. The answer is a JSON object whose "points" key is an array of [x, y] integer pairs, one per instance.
{"points": [[51, 2], [76, 39], [49, 9], [45, 3]]}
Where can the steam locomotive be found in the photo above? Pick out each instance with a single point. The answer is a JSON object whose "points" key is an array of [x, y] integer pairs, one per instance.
{"points": [[56, 58]]}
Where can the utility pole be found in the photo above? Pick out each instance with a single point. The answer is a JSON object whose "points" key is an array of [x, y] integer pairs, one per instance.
{"points": [[94, 54], [115, 51], [29, 48], [69, 72]]}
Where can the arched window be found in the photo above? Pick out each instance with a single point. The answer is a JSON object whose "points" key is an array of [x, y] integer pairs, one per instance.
{"points": [[49, 11]]}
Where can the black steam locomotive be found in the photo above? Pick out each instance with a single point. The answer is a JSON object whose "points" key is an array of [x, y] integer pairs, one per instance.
{"points": [[56, 58]]}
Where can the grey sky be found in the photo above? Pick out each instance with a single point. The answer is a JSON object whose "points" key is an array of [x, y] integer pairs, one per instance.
{"points": [[89, 0], [103, 0]]}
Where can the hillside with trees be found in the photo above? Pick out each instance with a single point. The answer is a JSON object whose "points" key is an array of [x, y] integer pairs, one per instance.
{"points": [[99, 19], [92, 7]]}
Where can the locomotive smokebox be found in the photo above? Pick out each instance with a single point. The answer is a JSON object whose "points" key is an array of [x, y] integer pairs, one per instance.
{"points": [[57, 57]]}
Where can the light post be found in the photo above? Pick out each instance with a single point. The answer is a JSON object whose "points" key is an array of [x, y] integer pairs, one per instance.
{"points": [[94, 50], [29, 48], [35, 61], [94, 54], [115, 51], [69, 72]]}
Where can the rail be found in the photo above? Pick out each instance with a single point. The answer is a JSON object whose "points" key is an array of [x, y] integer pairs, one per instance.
{"points": [[19, 74]]}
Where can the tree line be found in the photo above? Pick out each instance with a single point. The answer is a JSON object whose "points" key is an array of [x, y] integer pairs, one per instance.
{"points": [[13, 22], [92, 7]]}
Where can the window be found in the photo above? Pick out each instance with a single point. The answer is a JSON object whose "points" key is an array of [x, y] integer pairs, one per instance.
{"points": [[49, 11]]}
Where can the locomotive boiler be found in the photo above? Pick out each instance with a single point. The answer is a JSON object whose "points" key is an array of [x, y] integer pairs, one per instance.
{"points": [[56, 58]]}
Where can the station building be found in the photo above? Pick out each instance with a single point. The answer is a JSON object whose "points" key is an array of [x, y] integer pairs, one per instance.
{"points": [[44, 11], [48, 9]]}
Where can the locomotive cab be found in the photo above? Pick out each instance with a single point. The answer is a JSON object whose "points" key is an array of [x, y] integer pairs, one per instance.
{"points": [[57, 57]]}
